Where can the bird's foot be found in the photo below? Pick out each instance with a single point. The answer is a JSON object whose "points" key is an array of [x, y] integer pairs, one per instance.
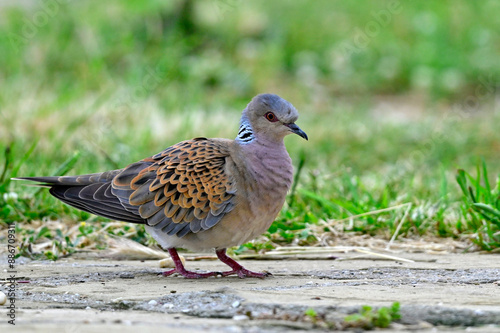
{"points": [[244, 273], [237, 268], [191, 275], [179, 268]]}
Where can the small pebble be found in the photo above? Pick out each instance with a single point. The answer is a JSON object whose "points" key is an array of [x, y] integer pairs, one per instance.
{"points": [[88, 308], [167, 306], [240, 317], [235, 304], [153, 302], [126, 276], [3, 298]]}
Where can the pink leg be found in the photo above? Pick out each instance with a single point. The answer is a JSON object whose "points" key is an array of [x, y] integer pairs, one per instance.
{"points": [[237, 268], [179, 268]]}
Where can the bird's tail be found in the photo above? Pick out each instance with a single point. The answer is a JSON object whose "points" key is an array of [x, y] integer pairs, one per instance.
{"points": [[91, 193], [72, 180]]}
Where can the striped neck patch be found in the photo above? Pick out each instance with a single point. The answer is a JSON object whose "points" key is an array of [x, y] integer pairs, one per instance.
{"points": [[245, 133]]}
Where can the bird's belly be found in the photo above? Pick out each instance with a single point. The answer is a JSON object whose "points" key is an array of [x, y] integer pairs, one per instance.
{"points": [[237, 227]]}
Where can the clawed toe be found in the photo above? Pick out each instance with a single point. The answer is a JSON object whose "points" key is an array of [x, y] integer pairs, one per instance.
{"points": [[192, 275], [179, 268], [244, 273], [168, 273], [237, 268]]}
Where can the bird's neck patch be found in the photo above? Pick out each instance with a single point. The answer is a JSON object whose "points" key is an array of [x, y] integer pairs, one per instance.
{"points": [[245, 133]]}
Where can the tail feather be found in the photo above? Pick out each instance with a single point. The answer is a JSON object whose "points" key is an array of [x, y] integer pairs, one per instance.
{"points": [[88, 179], [90, 193]]}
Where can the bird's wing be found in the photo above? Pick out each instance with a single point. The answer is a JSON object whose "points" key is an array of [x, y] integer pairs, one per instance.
{"points": [[186, 188]]}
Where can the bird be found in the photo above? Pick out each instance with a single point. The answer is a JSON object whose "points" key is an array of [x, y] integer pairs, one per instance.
{"points": [[199, 194]]}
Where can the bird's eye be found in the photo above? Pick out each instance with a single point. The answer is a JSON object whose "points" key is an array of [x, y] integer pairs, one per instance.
{"points": [[271, 117]]}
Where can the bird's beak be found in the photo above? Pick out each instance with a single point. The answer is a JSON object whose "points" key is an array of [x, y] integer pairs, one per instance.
{"points": [[296, 129]]}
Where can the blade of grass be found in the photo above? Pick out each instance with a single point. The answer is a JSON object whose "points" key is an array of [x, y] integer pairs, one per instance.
{"points": [[25, 157], [385, 256], [485, 208], [398, 228], [8, 157], [471, 193], [443, 188], [462, 182], [302, 161], [322, 201], [331, 223], [65, 167], [486, 182], [348, 206], [478, 183]]}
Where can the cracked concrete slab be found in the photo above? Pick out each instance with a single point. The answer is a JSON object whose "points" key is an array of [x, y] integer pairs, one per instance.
{"points": [[436, 292]]}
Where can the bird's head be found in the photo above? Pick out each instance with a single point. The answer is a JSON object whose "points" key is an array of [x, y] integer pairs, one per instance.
{"points": [[271, 117]]}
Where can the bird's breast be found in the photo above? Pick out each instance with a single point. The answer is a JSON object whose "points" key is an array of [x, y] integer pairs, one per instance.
{"points": [[267, 177], [271, 170]]}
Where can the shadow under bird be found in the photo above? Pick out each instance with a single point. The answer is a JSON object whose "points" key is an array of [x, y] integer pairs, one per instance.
{"points": [[202, 193]]}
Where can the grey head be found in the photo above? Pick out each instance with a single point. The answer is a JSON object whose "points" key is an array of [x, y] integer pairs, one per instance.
{"points": [[268, 116]]}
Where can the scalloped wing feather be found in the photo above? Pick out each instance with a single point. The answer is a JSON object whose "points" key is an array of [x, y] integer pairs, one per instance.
{"points": [[184, 189]]}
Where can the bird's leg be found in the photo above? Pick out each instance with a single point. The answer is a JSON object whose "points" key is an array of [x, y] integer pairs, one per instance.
{"points": [[237, 268], [179, 268]]}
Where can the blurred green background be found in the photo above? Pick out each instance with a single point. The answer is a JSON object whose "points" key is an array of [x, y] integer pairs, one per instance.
{"points": [[395, 96]]}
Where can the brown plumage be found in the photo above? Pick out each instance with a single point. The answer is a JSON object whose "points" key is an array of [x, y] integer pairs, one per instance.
{"points": [[200, 193]]}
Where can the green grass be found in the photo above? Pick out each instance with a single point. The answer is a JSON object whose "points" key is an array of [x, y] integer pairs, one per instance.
{"points": [[368, 318], [481, 205], [98, 86]]}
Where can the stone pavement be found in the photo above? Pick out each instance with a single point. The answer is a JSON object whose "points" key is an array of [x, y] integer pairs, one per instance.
{"points": [[436, 293]]}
